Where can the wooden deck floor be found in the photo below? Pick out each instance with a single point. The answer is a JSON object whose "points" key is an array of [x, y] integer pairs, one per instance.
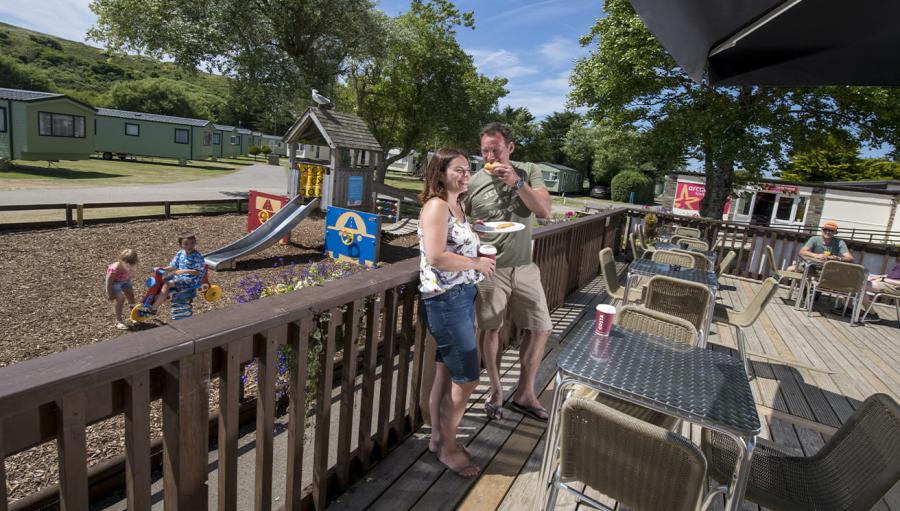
{"points": [[810, 374]]}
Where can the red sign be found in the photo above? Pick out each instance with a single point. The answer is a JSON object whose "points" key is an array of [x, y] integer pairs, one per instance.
{"points": [[261, 207], [780, 188], [689, 195]]}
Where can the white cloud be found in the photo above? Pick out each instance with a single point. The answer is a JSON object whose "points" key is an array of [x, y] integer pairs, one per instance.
{"points": [[561, 51], [539, 11], [541, 97], [500, 63], [69, 19]]}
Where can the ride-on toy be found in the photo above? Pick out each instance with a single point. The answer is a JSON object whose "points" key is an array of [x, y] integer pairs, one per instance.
{"points": [[182, 298]]}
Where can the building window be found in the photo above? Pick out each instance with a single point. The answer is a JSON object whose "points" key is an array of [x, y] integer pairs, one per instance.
{"points": [[801, 210], [233, 140], [182, 136], [207, 138], [132, 130], [217, 139], [2, 119], [746, 202], [318, 149], [783, 211], [60, 125]]}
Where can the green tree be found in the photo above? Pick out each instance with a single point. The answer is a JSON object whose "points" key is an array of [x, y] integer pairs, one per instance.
{"points": [[631, 80], [552, 136], [421, 89], [313, 38], [834, 159], [265, 150], [254, 150], [162, 96], [17, 76]]}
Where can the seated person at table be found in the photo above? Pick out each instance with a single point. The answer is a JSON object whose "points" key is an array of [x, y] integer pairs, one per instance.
{"points": [[824, 248], [877, 284]]}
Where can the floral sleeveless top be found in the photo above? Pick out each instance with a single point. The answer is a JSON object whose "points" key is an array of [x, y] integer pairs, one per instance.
{"points": [[462, 240]]}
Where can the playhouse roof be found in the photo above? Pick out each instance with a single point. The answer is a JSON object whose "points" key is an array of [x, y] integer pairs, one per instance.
{"points": [[338, 129]]}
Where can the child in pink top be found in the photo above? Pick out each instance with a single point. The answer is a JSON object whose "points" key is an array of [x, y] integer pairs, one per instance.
{"points": [[118, 283]]}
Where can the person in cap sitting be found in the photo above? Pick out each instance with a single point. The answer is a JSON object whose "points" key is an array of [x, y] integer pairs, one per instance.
{"points": [[877, 284], [826, 247]]}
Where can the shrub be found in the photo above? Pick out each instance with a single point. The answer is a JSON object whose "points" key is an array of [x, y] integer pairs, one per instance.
{"points": [[629, 181], [254, 150], [265, 150]]}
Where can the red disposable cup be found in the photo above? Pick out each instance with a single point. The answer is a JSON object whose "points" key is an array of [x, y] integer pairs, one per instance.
{"points": [[603, 319], [489, 251]]}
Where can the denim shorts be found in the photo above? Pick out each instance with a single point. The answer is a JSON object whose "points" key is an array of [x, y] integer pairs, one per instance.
{"points": [[450, 317], [120, 286]]}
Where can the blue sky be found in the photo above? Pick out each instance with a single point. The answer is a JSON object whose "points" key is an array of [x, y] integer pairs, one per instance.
{"points": [[533, 43]]}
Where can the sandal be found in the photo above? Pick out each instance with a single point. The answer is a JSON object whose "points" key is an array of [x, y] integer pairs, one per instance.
{"points": [[493, 412], [529, 411], [121, 326]]}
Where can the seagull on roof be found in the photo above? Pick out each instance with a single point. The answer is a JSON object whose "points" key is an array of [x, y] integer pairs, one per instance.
{"points": [[320, 99]]}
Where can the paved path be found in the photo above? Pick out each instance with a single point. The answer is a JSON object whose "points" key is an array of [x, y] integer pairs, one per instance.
{"points": [[260, 176]]}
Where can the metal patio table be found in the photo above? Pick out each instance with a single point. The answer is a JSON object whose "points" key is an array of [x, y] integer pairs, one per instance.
{"points": [[709, 254], [701, 386], [647, 268], [804, 282]]}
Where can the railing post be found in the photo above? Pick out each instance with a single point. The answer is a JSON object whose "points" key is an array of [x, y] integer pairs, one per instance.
{"points": [[229, 402], [298, 337], [137, 441], [80, 215], [323, 411], [68, 215], [267, 345], [186, 433], [167, 210], [73, 483]]}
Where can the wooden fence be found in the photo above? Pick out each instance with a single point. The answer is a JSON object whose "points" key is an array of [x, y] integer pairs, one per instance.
{"points": [[74, 213], [344, 333], [749, 243]]}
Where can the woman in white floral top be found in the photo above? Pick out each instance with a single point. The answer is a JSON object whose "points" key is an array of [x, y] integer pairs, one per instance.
{"points": [[449, 269]]}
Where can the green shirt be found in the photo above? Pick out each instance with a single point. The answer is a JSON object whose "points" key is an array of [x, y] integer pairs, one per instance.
{"points": [[490, 200], [817, 245]]}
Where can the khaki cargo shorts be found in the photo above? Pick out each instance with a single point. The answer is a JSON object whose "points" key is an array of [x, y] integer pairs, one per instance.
{"points": [[518, 290]]}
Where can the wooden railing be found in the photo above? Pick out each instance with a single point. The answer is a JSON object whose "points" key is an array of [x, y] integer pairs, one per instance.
{"points": [[749, 243], [357, 337], [75, 213]]}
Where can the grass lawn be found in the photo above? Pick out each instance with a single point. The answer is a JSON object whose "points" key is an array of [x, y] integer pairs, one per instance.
{"points": [[404, 181], [13, 217], [99, 172]]}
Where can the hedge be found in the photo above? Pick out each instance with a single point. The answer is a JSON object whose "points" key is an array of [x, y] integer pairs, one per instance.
{"points": [[629, 181]]}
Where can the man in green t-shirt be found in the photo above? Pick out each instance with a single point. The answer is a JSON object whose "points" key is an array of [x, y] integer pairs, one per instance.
{"points": [[826, 247], [502, 192]]}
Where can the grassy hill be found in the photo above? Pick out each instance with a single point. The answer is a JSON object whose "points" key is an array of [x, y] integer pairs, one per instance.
{"points": [[37, 61]]}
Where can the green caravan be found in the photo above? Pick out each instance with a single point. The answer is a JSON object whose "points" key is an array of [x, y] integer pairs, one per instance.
{"points": [[44, 126], [123, 133]]}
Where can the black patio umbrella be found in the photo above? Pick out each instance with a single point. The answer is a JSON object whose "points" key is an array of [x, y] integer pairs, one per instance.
{"points": [[780, 42]]}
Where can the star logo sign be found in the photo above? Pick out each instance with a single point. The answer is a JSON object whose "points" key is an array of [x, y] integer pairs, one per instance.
{"points": [[684, 200]]}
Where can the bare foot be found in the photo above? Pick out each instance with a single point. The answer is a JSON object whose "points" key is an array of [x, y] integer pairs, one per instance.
{"points": [[457, 462], [435, 445]]}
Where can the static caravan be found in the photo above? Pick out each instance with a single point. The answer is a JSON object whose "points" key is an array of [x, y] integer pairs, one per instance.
{"points": [[44, 126], [561, 179], [245, 140], [122, 133], [275, 144], [223, 141]]}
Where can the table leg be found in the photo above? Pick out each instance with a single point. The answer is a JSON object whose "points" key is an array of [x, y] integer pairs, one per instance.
{"points": [[738, 486], [550, 447], [801, 286], [709, 318], [628, 278]]}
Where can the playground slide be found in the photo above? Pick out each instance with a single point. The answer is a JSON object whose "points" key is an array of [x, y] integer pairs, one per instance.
{"points": [[264, 236]]}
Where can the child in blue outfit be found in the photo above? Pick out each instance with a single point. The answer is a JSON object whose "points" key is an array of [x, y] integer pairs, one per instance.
{"points": [[185, 268]]}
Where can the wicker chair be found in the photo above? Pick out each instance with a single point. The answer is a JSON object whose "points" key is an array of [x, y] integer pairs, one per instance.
{"points": [[793, 276], [889, 292], [673, 257], [688, 232], [694, 243], [700, 260], [725, 262], [642, 319], [611, 278], [640, 465], [745, 318], [679, 298], [843, 280], [851, 472]]}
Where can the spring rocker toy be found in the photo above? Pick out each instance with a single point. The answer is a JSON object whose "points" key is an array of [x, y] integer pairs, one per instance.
{"points": [[182, 298]]}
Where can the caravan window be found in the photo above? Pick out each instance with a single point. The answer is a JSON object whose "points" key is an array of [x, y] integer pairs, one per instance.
{"points": [[2, 119], [60, 125], [217, 139], [234, 140], [132, 130], [182, 136]]}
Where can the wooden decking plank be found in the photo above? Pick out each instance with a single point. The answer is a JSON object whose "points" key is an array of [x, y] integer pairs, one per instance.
{"points": [[795, 399]]}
